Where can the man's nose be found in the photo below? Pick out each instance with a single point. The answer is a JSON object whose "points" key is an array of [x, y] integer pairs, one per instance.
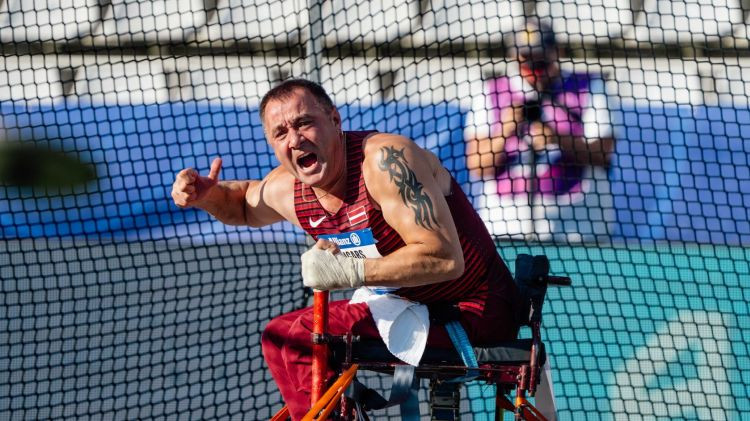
{"points": [[295, 139]]}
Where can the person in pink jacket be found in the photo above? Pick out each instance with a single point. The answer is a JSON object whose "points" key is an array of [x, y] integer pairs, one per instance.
{"points": [[540, 141]]}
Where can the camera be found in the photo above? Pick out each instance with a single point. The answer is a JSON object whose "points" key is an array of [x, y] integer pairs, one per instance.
{"points": [[532, 111]]}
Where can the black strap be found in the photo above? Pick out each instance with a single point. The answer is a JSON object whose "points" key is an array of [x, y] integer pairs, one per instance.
{"points": [[403, 392]]}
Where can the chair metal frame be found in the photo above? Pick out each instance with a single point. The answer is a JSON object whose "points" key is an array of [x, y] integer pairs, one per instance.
{"points": [[513, 374]]}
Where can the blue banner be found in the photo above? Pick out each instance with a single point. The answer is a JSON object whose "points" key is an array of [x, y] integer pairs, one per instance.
{"points": [[678, 172]]}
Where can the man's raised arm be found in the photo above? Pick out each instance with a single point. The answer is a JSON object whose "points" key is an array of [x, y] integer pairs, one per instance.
{"points": [[231, 202]]}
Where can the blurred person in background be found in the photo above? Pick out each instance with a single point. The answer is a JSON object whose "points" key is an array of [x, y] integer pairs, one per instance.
{"points": [[539, 140]]}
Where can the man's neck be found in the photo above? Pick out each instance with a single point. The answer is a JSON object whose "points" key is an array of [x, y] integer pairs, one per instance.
{"points": [[336, 189]]}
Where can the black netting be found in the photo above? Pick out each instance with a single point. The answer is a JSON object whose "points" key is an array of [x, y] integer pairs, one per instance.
{"points": [[629, 169]]}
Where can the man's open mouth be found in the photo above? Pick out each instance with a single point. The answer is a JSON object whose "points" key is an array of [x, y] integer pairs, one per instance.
{"points": [[307, 160]]}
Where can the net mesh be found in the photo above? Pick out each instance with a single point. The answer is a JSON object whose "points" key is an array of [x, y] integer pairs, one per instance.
{"points": [[116, 304]]}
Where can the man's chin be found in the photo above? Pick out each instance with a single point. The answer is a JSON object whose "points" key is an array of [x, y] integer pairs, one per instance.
{"points": [[313, 179]]}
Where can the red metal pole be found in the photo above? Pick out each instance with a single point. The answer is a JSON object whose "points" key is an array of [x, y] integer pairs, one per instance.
{"points": [[319, 348]]}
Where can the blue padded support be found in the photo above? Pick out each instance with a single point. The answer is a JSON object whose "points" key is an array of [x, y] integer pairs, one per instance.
{"points": [[465, 350]]}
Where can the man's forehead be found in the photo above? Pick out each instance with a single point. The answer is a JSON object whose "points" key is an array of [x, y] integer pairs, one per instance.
{"points": [[299, 102]]}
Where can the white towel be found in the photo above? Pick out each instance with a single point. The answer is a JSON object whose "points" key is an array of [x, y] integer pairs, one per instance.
{"points": [[403, 324]]}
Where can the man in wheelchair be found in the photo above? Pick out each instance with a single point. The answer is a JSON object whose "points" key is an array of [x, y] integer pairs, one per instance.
{"points": [[388, 219]]}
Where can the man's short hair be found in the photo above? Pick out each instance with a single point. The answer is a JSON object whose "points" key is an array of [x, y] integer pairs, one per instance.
{"points": [[286, 88]]}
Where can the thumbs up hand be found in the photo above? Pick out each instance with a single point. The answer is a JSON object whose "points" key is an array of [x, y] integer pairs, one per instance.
{"points": [[190, 187]]}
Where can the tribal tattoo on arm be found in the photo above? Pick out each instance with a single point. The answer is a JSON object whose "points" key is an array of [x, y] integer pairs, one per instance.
{"points": [[394, 163]]}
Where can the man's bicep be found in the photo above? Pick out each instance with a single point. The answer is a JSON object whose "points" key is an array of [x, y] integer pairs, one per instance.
{"points": [[262, 202], [409, 196]]}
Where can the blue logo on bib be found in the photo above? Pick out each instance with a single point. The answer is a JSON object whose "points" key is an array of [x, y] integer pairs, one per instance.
{"points": [[359, 243]]}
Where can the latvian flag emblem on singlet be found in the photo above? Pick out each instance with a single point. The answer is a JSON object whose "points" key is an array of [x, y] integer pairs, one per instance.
{"points": [[357, 215]]}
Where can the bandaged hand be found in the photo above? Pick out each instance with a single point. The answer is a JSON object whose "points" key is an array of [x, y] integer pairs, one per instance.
{"points": [[325, 268]]}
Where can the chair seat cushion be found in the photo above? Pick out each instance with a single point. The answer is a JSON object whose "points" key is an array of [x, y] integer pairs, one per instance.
{"points": [[505, 353]]}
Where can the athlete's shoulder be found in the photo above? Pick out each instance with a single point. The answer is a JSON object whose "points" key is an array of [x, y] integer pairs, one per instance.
{"points": [[384, 146], [376, 142], [383, 151], [386, 150], [278, 189], [271, 199], [280, 176]]}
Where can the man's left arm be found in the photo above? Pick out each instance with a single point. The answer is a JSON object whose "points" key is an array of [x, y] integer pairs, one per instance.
{"points": [[409, 184]]}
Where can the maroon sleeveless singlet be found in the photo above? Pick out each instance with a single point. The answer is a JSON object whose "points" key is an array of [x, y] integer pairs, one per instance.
{"points": [[484, 269]]}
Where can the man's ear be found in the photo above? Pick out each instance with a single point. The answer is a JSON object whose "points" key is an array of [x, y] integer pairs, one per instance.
{"points": [[336, 118]]}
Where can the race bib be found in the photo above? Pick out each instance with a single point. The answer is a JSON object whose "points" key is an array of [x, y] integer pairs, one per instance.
{"points": [[359, 243]]}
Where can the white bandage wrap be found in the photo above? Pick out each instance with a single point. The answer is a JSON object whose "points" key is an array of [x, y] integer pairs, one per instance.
{"points": [[323, 270]]}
